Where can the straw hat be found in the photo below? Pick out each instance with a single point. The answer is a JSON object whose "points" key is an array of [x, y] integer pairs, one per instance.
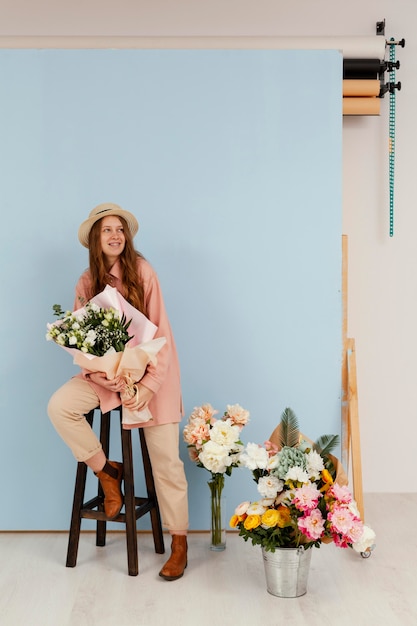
{"points": [[108, 208]]}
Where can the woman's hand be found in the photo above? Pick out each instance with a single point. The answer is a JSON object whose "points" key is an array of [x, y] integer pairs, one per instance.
{"points": [[140, 400], [100, 378]]}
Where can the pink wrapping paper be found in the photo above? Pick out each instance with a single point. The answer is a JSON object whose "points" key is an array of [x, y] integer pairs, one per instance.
{"points": [[133, 361]]}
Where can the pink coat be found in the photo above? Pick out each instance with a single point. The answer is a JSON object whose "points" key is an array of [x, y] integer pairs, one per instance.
{"points": [[164, 378]]}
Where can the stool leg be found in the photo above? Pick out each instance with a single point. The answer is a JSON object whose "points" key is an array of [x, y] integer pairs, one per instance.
{"points": [[78, 501], [130, 503], [158, 537], [105, 442], [75, 528]]}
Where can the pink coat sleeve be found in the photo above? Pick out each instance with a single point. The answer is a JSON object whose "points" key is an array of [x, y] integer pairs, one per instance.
{"points": [[155, 375]]}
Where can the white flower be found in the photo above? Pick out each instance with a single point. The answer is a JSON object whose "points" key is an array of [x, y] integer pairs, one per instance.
{"points": [[254, 457], [225, 433], [315, 464], [269, 486], [272, 462], [353, 508], [235, 458], [242, 508], [94, 307], [256, 508], [214, 457], [91, 337], [267, 502], [72, 340], [297, 473], [366, 542]]}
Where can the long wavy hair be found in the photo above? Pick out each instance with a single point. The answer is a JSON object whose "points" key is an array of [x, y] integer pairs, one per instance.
{"points": [[99, 272]]}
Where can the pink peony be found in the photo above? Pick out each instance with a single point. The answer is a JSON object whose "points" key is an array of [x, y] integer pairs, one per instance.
{"points": [[341, 520], [306, 497], [341, 493], [312, 525]]}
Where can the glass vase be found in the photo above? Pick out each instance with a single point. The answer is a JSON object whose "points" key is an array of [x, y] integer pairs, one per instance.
{"points": [[218, 513]]}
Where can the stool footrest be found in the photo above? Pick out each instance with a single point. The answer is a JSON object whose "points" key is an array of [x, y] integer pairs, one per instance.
{"points": [[134, 506], [142, 506]]}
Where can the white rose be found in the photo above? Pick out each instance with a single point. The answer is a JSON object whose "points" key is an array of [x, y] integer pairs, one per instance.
{"points": [[242, 508], [214, 457], [269, 486], [315, 464], [225, 433], [254, 457], [366, 542], [256, 508], [298, 474]]}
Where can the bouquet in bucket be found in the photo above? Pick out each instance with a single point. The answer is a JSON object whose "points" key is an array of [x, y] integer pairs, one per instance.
{"points": [[214, 444], [101, 338], [304, 499]]}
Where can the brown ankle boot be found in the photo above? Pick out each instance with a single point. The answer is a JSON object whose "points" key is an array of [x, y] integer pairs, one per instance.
{"points": [[177, 562], [110, 478]]}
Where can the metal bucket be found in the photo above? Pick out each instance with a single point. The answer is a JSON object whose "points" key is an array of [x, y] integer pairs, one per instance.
{"points": [[286, 571]]}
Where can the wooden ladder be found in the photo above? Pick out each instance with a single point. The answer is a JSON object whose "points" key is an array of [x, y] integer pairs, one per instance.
{"points": [[351, 447]]}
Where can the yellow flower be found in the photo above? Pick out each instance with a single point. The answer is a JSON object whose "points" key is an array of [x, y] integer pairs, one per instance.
{"points": [[326, 476], [252, 521], [327, 479], [234, 521], [270, 518], [284, 516]]}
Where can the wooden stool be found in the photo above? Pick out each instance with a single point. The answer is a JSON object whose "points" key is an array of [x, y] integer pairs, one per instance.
{"points": [[134, 507]]}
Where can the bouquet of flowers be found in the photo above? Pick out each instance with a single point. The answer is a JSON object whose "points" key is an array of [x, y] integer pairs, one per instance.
{"points": [[98, 338], [304, 495], [214, 444], [95, 331]]}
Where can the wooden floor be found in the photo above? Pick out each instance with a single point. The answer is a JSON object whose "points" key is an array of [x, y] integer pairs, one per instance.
{"points": [[221, 589]]}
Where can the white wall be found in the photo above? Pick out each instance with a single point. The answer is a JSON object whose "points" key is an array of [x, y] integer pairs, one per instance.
{"points": [[382, 287]]}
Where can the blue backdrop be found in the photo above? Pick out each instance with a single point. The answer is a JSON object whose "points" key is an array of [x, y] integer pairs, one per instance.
{"points": [[231, 161]]}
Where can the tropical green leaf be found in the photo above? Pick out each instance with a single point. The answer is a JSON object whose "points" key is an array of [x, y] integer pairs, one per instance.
{"points": [[326, 443], [289, 428]]}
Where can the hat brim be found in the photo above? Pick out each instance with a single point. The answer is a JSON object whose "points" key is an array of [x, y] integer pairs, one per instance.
{"points": [[108, 209]]}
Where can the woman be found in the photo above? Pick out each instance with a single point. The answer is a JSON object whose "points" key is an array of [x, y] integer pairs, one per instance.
{"points": [[108, 234]]}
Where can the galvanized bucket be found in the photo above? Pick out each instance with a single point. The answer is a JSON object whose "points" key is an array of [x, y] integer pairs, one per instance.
{"points": [[286, 571]]}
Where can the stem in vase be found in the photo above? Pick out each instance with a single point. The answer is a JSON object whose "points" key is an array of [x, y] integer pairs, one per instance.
{"points": [[216, 487]]}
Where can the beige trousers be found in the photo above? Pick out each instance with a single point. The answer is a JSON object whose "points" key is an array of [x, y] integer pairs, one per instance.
{"points": [[67, 408]]}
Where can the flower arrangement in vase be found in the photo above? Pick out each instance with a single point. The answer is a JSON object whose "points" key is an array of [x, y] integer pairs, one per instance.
{"points": [[214, 444]]}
